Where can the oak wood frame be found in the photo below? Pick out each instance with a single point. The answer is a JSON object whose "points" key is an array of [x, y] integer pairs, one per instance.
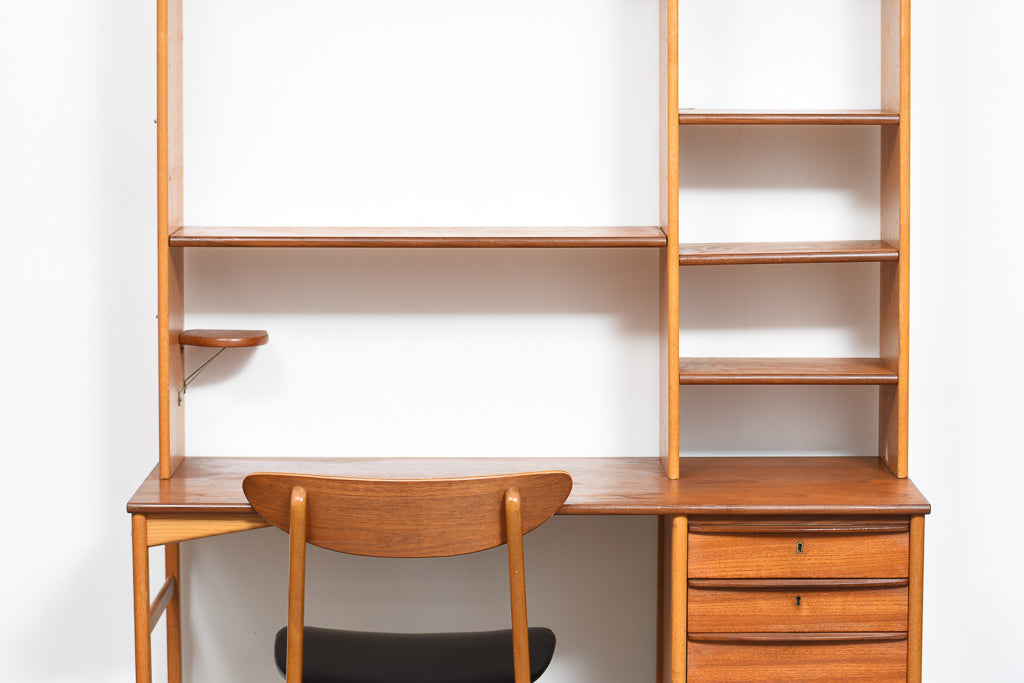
{"points": [[668, 271], [894, 321], [170, 217]]}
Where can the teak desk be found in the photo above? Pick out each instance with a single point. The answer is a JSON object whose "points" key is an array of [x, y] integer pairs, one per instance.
{"points": [[769, 568], [842, 505]]}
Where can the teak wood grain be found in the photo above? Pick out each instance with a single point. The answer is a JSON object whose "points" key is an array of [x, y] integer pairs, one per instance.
{"points": [[838, 117], [801, 605], [798, 555], [863, 662], [407, 517], [223, 338], [824, 638], [422, 237], [752, 253], [738, 486], [785, 371], [799, 525]]}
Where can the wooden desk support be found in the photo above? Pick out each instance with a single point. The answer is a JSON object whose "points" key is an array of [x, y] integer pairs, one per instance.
{"points": [[205, 498]]}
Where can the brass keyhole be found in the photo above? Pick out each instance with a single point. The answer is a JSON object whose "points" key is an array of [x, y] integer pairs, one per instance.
{"points": [[800, 547], [798, 601]]}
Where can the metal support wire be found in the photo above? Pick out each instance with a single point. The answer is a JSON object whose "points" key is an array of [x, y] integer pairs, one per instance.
{"points": [[195, 373]]}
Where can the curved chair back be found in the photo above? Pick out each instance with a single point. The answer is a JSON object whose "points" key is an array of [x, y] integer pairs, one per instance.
{"points": [[407, 518]]}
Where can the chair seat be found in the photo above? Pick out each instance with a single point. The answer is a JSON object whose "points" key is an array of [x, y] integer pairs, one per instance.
{"points": [[333, 656]]}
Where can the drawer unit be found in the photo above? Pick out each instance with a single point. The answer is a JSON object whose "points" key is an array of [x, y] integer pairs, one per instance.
{"points": [[779, 549], [715, 660], [796, 605], [795, 600]]}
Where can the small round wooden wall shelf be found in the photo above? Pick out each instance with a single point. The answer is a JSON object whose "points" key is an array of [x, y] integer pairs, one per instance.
{"points": [[223, 338]]}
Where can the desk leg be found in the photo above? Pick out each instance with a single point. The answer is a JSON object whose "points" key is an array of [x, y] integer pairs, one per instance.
{"points": [[140, 569], [172, 564], [672, 599], [915, 617]]}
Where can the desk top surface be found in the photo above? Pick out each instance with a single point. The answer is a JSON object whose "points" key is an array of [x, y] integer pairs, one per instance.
{"points": [[708, 486]]}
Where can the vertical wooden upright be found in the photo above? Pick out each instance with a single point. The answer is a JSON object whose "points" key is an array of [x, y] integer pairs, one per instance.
{"points": [[170, 316], [672, 556], [172, 569], [915, 608], [894, 332], [140, 581], [668, 115], [170, 217]]}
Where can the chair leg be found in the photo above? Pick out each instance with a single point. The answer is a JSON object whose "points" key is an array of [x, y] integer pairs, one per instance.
{"points": [[172, 564], [140, 571]]}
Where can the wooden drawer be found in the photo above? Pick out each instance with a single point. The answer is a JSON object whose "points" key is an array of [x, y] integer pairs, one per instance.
{"points": [[787, 605], [771, 548], [727, 661]]}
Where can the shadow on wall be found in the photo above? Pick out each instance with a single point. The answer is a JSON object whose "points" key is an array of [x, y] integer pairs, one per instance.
{"points": [[601, 605], [425, 282], [428, 352], [772, 183]]}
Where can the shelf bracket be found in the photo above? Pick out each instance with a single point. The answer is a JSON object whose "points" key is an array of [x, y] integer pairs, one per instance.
{"points": [[195, 373], [219, 339]]}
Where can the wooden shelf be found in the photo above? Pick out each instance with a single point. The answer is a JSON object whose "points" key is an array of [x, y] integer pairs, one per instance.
{"points": [[745, 485], [739, 253], [785, 371], [626, 236], [223, 338], [839, 117]]}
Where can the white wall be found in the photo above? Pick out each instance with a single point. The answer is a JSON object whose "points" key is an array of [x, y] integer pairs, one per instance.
{"points": [[468, 352]]}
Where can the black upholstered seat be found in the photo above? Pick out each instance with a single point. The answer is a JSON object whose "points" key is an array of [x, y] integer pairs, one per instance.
{"points": [[333, 656]]}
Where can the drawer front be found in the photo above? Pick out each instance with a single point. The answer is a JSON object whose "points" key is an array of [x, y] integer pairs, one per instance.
{"points": [[796, 608], [883, 662], [798, 555]]}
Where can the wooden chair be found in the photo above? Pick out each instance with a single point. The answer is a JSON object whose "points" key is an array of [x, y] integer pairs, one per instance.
{"points": [[409, 518]]}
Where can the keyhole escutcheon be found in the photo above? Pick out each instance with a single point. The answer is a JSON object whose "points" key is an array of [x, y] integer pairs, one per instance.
{"points": [[799, 547], [798, 601]]}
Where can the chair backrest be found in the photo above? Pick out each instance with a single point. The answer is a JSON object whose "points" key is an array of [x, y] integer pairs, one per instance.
{"points": [[407, 518]]}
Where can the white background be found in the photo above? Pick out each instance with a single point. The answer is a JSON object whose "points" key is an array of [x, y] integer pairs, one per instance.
{"points": [[466, 113]]}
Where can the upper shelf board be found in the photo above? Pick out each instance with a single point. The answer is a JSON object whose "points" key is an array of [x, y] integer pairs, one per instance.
{"points": [[785, 371], [739, 253], [838, 117], [627, 236]]}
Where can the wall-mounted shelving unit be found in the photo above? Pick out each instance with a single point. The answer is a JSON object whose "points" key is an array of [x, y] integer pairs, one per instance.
{"points": [[771, 541]]}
